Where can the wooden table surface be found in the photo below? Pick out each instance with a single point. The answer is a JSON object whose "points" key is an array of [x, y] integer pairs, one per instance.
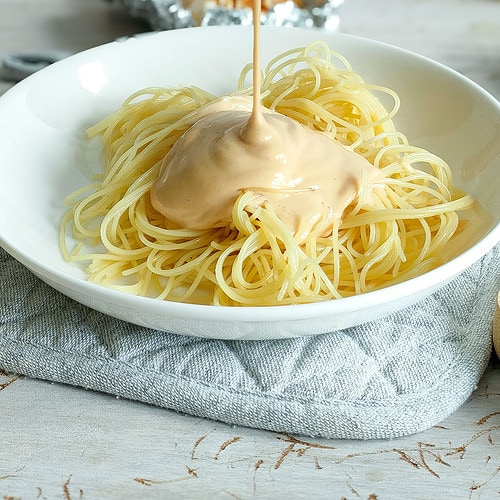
{"points": [[65, 442]]}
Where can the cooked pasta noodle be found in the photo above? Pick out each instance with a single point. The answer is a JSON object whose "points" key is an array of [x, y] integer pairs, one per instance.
{"points": [[393, 231]]}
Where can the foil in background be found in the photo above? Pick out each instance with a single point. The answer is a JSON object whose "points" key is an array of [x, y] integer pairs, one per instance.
{"points": [[173, 14]]}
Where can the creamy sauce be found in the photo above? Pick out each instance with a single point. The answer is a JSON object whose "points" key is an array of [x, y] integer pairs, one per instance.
{"points": [[299, 171], [236, 145]]}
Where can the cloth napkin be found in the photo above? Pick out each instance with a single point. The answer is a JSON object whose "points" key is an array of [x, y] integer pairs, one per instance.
{"points": [[384, 379]]}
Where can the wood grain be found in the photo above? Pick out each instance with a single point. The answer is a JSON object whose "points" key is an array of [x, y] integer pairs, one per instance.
{"points": [[65, 442]]}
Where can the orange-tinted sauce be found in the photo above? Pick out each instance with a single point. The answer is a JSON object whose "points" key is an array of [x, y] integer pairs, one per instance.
{"points": [[238, 145]]}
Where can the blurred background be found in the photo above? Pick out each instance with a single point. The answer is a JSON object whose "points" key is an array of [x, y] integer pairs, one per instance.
{"points": [[463, 34]]}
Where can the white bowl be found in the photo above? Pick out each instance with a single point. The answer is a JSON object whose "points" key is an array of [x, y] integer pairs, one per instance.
{"points": [[42, 120]]}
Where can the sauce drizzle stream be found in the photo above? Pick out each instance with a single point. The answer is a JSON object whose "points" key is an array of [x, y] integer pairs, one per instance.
{"points": [[235, 144]]}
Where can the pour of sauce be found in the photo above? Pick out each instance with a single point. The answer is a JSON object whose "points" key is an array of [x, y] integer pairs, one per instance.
{"points": [[238, 145]]}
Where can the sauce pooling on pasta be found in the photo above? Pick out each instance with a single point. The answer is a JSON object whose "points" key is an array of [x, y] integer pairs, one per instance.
{"points": [[242, 165], [236, 145], [302, 173]]}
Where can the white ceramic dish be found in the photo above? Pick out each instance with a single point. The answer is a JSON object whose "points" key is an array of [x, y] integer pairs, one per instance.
{"points": [[42, 120]]}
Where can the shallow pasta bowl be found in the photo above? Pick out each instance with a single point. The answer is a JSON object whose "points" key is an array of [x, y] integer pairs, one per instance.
{"points": [[43, 119]]}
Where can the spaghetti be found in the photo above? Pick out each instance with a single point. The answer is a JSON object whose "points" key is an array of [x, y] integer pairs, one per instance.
{"points": [[391, 232]]}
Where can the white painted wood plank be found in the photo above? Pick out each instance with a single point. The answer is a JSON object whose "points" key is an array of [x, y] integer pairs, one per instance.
{"points": [[58, 438], [63, 442]]}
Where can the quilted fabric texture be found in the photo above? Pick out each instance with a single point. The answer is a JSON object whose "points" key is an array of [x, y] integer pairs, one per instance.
{"points": [[384, 379]]}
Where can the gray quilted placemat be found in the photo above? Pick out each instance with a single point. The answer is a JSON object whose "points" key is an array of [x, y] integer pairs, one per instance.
{"points": [[385, 379]]}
